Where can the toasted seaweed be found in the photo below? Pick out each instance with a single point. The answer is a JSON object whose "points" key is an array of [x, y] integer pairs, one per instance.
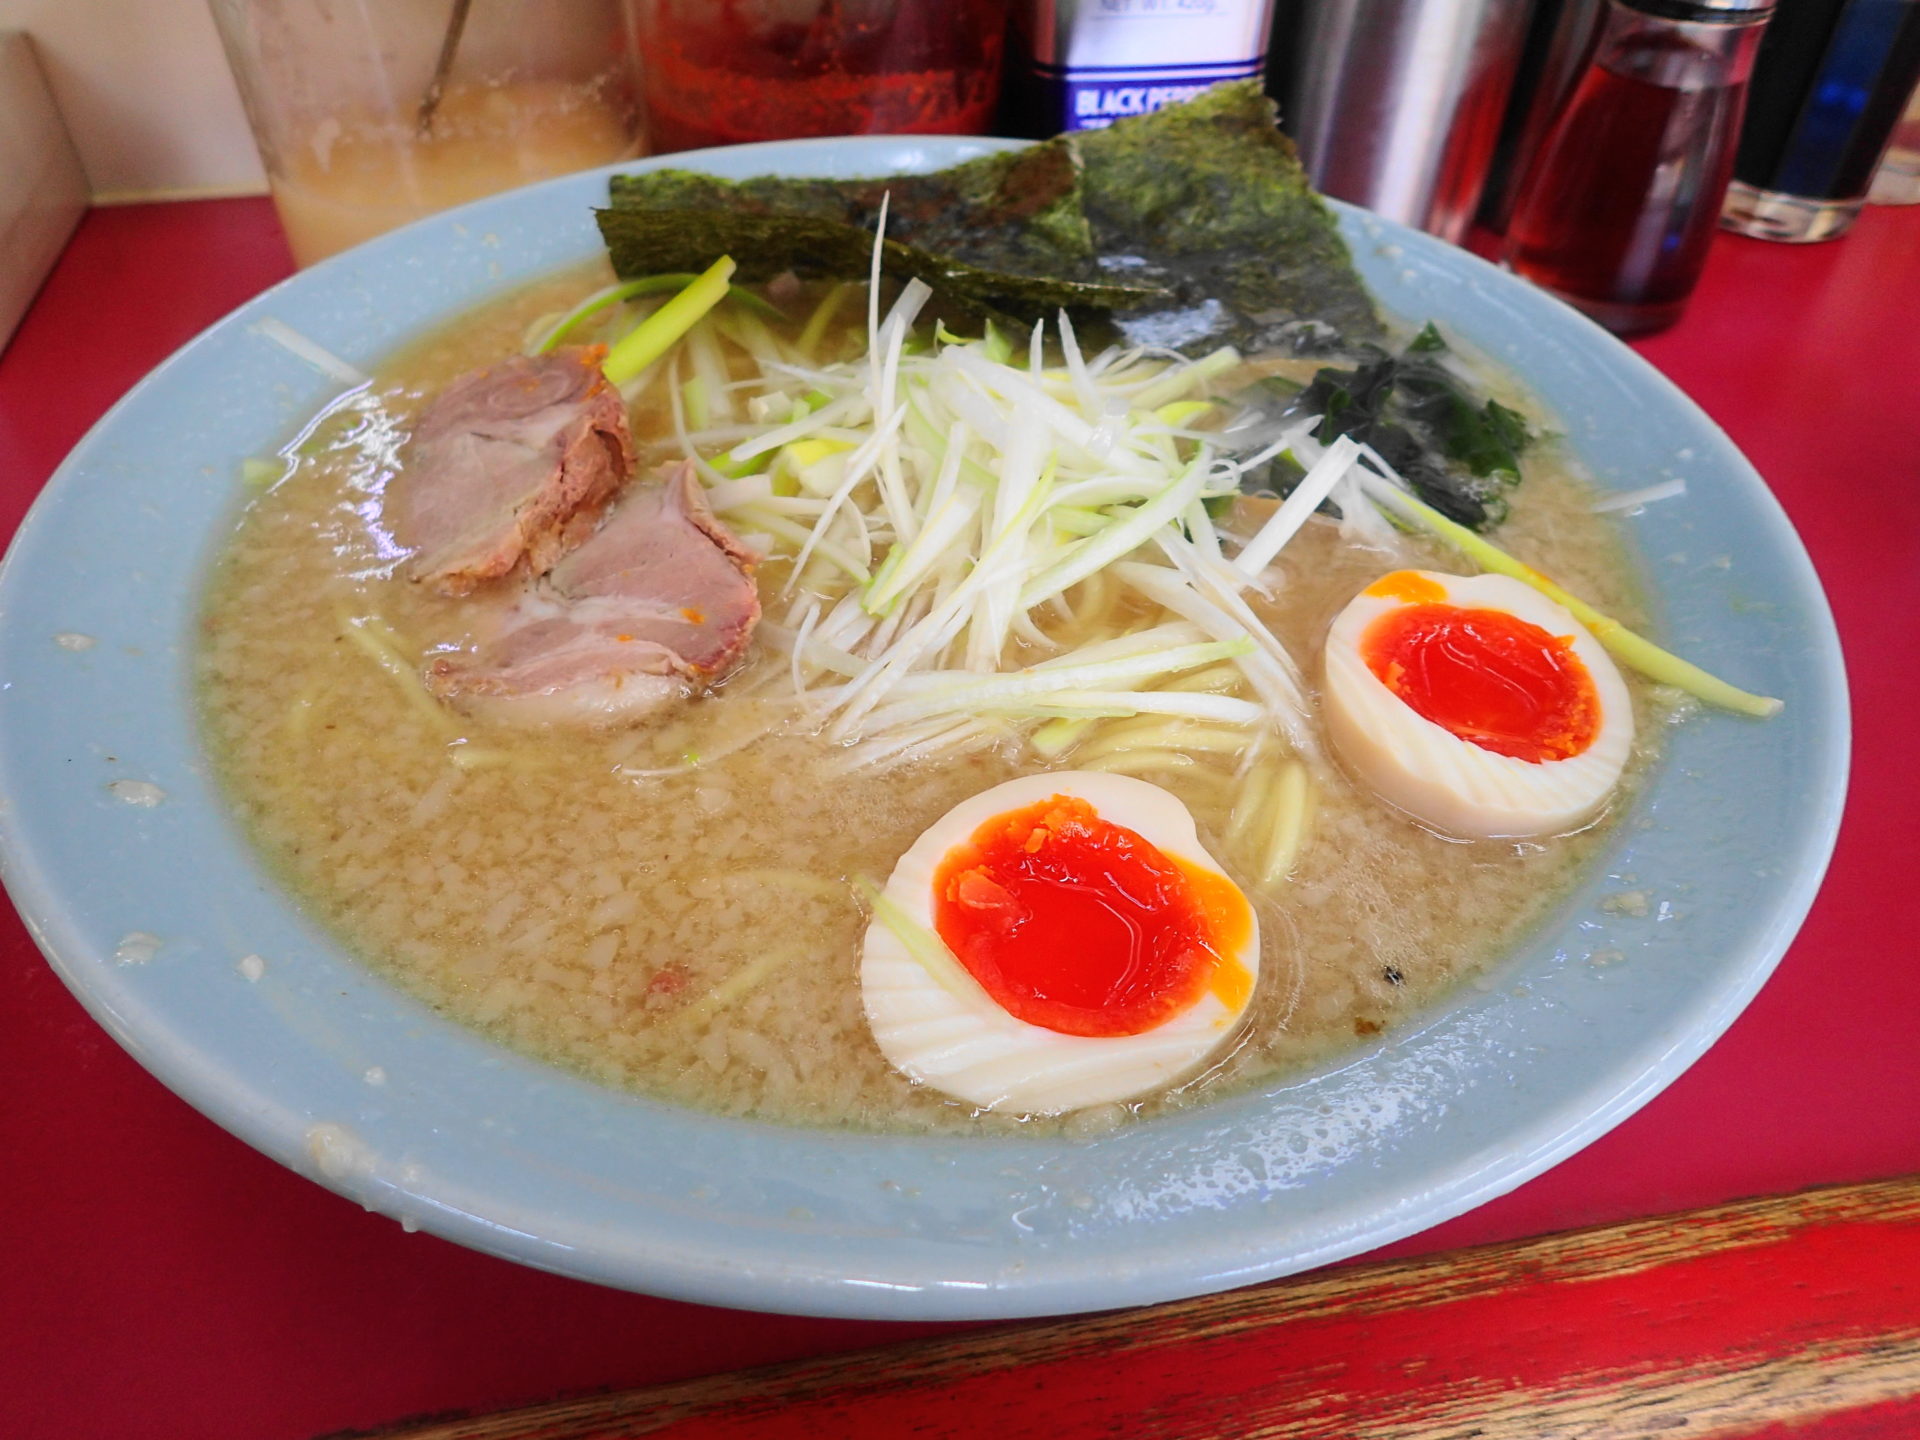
{"points": [[1209, 199], [644, 241], [1004, 233], [1016, 210], [1193, 226]]}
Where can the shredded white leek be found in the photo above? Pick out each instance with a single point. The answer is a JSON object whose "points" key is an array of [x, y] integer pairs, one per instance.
{"points": [[1386, 490], [1634, 499], [1286, 520], [981, 543], [309, 350]]}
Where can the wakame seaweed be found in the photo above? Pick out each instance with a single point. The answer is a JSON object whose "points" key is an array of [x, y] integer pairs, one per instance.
{"points": [[1458, 454], [1193, 227]]}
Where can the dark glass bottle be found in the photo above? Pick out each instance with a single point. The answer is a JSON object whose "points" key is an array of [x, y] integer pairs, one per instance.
{"points": [[1621, 200], [1828, 89]]}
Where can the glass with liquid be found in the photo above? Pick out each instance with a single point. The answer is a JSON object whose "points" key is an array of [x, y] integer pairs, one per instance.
{"points": [[1620, 202], [371, 115], [1829, 87], [1897, 181]]}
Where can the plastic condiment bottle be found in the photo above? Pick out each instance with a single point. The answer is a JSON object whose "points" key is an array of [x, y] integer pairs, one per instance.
{"points": [[1622, 198]]}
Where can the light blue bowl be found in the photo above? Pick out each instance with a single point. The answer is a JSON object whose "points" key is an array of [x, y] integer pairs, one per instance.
{"points": [[497, 1152]]}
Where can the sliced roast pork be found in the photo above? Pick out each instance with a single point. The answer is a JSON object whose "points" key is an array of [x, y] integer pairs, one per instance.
{"points": [[658, 603], [510, 465]]}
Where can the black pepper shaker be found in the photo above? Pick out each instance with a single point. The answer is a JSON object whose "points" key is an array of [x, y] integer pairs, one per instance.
{"points": [[1620, 202]]}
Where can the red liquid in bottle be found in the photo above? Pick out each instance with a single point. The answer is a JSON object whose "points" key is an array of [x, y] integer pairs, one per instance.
{"points": [[724, 72], [1621, 203]]}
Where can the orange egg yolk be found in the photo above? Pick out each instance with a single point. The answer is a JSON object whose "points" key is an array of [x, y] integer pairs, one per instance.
{"points": [[1489, 677], [1081, 926]]}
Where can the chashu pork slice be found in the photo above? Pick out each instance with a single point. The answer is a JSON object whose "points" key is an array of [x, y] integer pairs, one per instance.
{"points": [[514, 463], [657, 604]]}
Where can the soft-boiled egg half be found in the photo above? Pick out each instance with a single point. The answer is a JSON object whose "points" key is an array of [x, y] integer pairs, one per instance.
{"points": [[1055, 942], [1477, 705]]}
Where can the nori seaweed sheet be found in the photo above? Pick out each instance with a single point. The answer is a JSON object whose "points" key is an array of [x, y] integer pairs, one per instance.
{"points": [[649, 241], [1209, 199], [1017, 210], [1193, 227]]}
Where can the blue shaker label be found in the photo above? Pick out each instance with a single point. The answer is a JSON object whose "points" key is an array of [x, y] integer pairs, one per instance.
{"points": [[1094, 101], [1103, 60]]}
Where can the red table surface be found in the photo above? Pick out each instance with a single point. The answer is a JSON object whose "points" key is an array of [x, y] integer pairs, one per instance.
{"points": [[159, 1278]]}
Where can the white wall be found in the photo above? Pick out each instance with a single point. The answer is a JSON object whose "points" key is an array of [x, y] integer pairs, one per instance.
{"points": [[144, 88]]}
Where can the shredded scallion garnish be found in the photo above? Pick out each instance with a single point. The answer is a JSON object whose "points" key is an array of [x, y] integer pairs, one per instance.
{"points": [[1625, 646]]}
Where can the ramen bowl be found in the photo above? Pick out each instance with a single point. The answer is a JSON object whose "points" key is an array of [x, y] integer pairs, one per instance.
{"points": [[124, 861]]}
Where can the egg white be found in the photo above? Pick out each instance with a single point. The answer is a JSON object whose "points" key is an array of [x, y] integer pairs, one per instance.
{"points": [[952, 1035], [1451, 784]]}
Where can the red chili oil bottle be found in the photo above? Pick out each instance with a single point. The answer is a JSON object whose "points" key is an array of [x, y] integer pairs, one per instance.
{"points": [[1621, 200], [724, 72]]}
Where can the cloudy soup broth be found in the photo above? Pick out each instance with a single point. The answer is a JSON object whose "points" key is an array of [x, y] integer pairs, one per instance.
{"points": [[674, 907]]}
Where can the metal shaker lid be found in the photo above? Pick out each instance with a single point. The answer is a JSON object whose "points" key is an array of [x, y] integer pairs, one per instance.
{"points": [[1705, 11]]}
